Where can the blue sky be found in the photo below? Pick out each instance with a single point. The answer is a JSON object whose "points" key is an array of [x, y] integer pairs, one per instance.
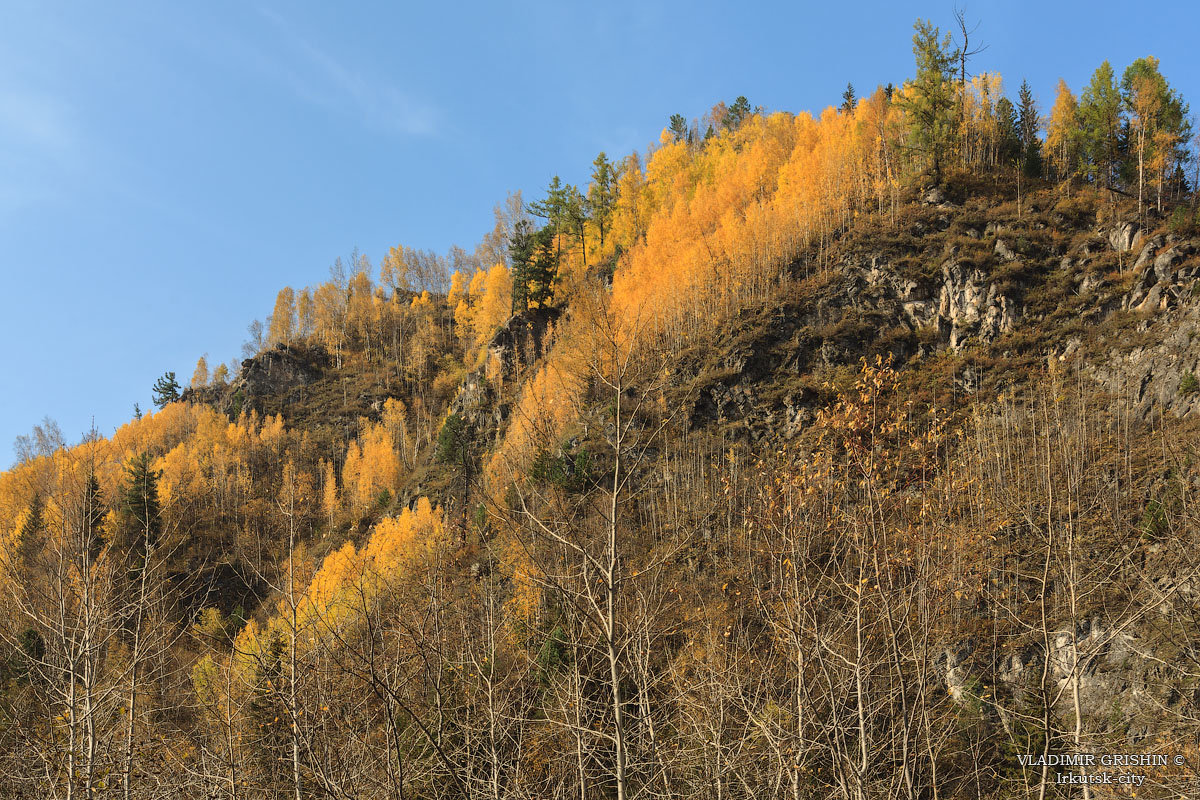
{"points": [[166, 167]]}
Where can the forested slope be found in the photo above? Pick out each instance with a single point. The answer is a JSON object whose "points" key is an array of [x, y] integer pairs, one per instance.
{"points": [[837, 456]]}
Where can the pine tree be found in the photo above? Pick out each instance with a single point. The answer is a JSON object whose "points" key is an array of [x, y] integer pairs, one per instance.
{"points": [[166, 390], [929, 97], [31, 537], [1028, 124], [575, 219], [1100, 126], [140, 507], [848, 98], [555, 209], [1008, 133], [93, 517], [520, 254], [678, 128], [737, 113], [543, 267], [602, 195]]}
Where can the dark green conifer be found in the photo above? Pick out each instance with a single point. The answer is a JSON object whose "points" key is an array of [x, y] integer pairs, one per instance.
{"points": [[848, 98], [31, 537], [166, 390]]}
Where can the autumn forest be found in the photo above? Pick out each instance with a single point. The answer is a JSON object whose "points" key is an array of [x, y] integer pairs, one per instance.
{"points": [[840, 455]]}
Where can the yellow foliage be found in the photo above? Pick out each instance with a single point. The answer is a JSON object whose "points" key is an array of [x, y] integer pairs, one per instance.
{"points": [[1061, 129], [713, 226], [371, 465], [458, 289], [350, 580], [200, 376], [548, 404], [495, 305]]}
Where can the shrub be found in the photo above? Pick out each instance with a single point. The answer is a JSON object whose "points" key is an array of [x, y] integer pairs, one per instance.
{"points": [[551, 655], [1182, 221], [570, 472], [383, 499], [1188, 385], [451, 439], [1154, 520]]}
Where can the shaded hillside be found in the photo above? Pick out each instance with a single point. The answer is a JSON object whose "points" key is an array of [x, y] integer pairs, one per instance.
{"points": [[972, 297]]}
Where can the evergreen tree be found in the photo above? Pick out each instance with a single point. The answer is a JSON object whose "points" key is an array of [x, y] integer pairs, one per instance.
{"points": [[1100, 126], [929, 97], [736, 114], [269, 689], [31, 537], [140, 507], [602, 195], [520, 253], [678, 128], [535, 258], [848, 98], [543, 267], [575, 219], [1028, 124], [92, 518], [454, 449], [1008, 133], [166, 390], [553, 207], [452, 440]]}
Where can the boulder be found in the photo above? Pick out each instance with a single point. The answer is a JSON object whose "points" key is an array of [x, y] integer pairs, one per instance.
{"points": [[1148, 252], [1004, 251], [933, 196], [1125, 236]]}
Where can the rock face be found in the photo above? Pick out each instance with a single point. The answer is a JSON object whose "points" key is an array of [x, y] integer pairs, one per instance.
{"points": [[999, 288], [522, 339], [1159, 370], [515, 347], [970, 306], [1120, 303], [273, 378], [1162, 278], [280, 372], [869, 307], [1114, 673]]}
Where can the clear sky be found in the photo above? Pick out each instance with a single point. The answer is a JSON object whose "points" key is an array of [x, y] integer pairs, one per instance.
{"points": [[166, 167]]}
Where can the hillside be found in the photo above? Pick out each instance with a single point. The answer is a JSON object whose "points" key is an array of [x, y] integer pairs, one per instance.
{"points": [[809, 457]]}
